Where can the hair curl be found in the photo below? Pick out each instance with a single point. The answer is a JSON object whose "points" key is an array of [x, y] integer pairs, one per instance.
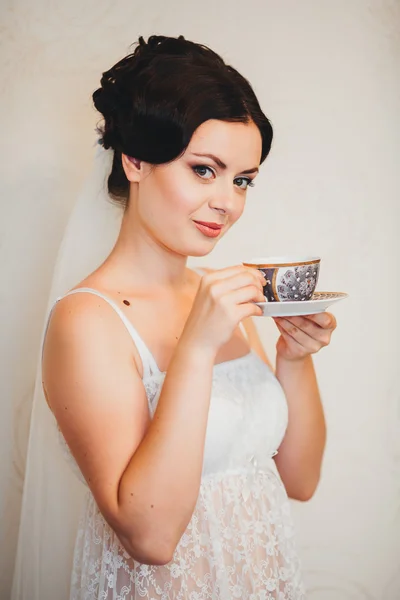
{"points": [[154, 99]]}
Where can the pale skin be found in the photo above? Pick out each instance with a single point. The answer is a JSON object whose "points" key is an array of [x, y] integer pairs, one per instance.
{"points": [[144, 484]]}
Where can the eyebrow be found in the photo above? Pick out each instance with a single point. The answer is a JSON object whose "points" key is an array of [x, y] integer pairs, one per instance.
{"points": [[222, 165]]}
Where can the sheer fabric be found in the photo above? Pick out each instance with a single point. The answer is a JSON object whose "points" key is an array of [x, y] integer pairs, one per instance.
{"points": [[240, 540]]}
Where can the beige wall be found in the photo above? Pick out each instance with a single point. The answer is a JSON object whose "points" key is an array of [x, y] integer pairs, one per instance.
{"points": [[327, 75]]}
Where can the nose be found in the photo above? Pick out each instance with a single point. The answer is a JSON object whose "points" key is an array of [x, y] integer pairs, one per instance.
{"points": [[223, 201]]}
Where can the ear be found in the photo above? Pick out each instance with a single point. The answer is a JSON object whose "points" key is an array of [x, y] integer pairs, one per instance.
{"points": [[133, 168]]}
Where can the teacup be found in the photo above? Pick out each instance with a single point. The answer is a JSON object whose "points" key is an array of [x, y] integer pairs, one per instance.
{"points": [[289, 279]]}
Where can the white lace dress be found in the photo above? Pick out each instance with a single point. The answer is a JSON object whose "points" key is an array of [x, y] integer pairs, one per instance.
{"points": [[240, 540]]}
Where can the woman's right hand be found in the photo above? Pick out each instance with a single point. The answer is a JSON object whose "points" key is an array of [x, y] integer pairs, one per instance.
{"points": [[224, 298]]}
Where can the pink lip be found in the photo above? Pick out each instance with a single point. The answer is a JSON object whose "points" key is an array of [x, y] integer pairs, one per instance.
{"points": [[211, 225], [209, 229]]}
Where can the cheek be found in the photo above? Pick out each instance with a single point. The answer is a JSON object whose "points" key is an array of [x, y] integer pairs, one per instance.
{"points": [[237, 212], [168, 198], [176, 195], [181, 200]]}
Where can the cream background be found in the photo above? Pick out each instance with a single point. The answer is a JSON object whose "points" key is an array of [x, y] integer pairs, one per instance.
{"points": [[327, 74]]}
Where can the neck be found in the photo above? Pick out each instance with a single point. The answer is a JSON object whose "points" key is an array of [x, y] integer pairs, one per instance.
{"points": [[137, 260]]}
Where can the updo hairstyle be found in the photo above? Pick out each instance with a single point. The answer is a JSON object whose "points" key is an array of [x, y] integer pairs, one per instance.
{"points": [[154, 99]]}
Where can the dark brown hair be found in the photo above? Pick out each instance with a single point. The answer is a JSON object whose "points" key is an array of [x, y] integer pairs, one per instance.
{"points": [[154, 99]]}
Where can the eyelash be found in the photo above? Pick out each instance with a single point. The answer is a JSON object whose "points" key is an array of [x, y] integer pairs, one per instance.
{"points": [[250, 183]]}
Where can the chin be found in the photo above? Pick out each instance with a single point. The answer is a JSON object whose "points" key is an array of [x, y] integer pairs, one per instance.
{"points": [[202, 249], [190, 248], [200, 253]]}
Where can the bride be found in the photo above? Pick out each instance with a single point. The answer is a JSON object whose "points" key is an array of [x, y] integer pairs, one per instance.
{"points": [[153, 468]]}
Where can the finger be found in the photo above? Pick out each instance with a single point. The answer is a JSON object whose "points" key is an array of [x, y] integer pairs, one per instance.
{"points": [[238, 281], [324, 320], [292, 345], [249, 309], [249, 293], [232, 271], [314, 331], [311, 344]]}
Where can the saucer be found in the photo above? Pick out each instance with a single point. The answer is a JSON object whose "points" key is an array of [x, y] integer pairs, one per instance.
{"points": [[319, 303]]}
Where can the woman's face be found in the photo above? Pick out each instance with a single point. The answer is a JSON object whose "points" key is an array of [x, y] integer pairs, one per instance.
{"points": [[208, 183]]}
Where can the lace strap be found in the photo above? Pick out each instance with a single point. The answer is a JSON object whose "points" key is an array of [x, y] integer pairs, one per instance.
{"points": [[149, 363]]}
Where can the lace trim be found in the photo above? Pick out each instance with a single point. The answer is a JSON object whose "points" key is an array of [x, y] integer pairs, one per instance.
{"points": [[232, 548]]}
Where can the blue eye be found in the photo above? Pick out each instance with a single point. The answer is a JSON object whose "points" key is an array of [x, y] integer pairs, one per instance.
{"points": [[245, 180], [200, 169]]}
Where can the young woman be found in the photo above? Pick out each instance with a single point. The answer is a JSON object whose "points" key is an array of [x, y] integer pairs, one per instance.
{"points": [[168, 407]]}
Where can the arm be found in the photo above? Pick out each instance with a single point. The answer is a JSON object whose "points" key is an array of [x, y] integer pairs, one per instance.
{"points": [[300, 454], [144, 474], [301, 451]]}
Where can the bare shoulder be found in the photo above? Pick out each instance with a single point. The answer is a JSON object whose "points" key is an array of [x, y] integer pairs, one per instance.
{"points": [[95, 392], [83, 308], [84, 322]]}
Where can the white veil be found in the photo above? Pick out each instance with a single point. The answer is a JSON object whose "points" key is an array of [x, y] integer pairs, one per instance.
{"points": [[53, 495]]}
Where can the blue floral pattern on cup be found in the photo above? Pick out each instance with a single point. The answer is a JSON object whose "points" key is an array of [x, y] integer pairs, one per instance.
{"points": [[290, 284]]}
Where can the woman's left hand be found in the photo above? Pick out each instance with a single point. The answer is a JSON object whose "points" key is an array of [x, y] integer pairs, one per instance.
{"points": [[302, 336]]}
